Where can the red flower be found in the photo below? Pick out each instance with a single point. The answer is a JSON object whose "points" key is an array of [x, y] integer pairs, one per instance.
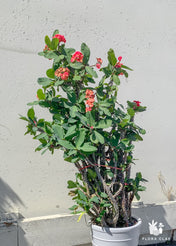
{"points": [[91, 127], [60, 37], [118, 64], [98, 65], [89, 93], [46, 48], [88, 109], [121, 73], [90, 100], [63, 73], [65, 76], [137, 103], [77, 56], [120, 58], [99, 60]]}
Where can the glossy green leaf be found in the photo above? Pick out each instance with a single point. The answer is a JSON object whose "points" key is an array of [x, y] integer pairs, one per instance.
{"points": [[50, 73], [116, 79], [111, 57], [31, 113], [103, 124], [47, 41], [44, 81], [54, 43], [94, 199], [103, 194], [131, 112], [40, 94], [92, 173], [76, 65], [33, 103], [125, 67], [90, 71], [66, 144], [71, 131], [80, 139], [58, 131], [86, 52], [99, 137], [71, 184], [82, 195], [55, 32], [87, 147], [71, 96]]}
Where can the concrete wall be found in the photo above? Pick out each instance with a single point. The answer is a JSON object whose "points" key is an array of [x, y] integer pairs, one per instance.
{"points": [[142, 32]]}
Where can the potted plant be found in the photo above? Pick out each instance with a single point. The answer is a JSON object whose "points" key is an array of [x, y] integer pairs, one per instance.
{"points": [[96, 134]]}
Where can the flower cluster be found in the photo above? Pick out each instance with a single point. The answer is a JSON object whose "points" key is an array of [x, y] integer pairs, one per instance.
{"points": [[99, 62], [60, 37], [77, 56], [118, 64], [63, 73], [90, 100], [137, 103]]}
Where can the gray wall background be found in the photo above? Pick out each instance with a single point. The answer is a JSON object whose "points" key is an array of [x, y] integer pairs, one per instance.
{"points": [[142, 32]]}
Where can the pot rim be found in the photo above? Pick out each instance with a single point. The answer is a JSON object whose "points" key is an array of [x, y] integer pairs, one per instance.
{"points": [[117, 229]]}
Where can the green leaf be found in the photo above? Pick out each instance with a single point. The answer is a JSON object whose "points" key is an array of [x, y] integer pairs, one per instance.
{"points": [[93, 138], [74, 207], [42, 135], [103, 194], [73, 111], [59, 58], [55, 32], [24, 118], [71, 96], [50, 73], [66, 144], [106, 111], [123, 66], [86, 52], [59, 82], [90, 118], [99, 137], [137, 196], [116, 79], [41, 53], [71, 184], [44, 81], [40, 94], [71, 131], [142, 131], [76, 78], [131, 112], [54, 43], [58, 131], [104, 124], [94, 199], [80, 139], [92, 173], [87, 147], [76, 65], [82, 195], [47, 41], [31, 113], [33, 103], [51, 55], [91, 72], [111, 57]]}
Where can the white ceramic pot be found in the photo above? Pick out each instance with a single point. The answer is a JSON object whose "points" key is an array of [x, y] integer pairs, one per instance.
{"points": [[126, 236]]}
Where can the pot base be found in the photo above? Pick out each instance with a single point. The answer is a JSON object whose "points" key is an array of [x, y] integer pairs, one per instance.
{"points": [[126, 236]]}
